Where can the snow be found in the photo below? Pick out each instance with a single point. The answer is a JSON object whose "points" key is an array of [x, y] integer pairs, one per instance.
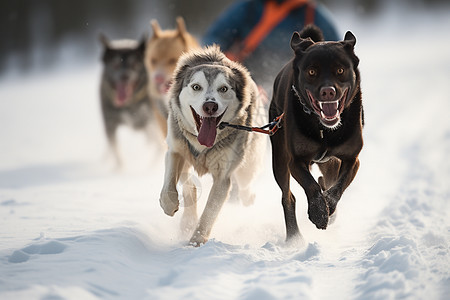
{"points": [[72, 228]]}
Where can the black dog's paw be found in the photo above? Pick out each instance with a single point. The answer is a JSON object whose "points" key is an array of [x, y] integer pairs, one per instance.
{"points": [[332, 199], [318, 212]]}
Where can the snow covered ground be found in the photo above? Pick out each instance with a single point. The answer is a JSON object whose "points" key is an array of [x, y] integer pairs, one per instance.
{"points": [[70, 228]]}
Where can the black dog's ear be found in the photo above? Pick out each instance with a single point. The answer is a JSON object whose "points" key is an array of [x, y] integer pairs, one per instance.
{"points": [[104, 40], [349, 43], [298, 44], [350, 39], [106, 46], [142, 43]]}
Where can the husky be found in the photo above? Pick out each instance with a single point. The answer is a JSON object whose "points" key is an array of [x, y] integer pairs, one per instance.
{"points": [[161, 57], [209, 88], [123, 88]]}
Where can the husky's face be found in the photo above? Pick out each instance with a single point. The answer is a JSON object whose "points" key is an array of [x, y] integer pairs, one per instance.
{"points": [[208, 96]]}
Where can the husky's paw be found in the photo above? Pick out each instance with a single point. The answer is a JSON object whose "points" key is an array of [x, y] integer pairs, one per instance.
{"points": [[197, 240], [318, 212], [169, 202]]}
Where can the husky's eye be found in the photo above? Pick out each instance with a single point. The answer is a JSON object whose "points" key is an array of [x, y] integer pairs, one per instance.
{"points": [[340, 71], [196, 87], [223, 89], [312, 72]]}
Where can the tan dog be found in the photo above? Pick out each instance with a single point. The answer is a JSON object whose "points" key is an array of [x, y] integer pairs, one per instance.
{"points": [[161, 57]]}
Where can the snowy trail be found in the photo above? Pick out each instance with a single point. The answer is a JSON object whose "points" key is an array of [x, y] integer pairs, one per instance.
{"points": [[72, 229]]}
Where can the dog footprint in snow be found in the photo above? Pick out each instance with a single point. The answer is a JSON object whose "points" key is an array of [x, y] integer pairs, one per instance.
{"points": [[24, 254]]}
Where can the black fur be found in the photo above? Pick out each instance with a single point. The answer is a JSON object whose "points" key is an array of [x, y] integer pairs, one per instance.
{"points": [[305, 137]]}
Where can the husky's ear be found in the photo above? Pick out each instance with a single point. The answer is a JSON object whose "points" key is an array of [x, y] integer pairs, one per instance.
{"points": [[181, 75], [104, 40], [239, 82], [156, 29], [300, 45]]}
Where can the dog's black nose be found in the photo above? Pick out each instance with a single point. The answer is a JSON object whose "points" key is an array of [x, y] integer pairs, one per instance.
{"points": [[210, 107], [327, 93]]}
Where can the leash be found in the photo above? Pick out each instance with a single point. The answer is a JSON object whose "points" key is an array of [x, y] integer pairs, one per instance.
{"points": [[305, 108], [272, 126]]}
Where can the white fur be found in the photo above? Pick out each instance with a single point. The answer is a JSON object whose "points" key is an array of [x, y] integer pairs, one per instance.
{"points": [[234, 155]]}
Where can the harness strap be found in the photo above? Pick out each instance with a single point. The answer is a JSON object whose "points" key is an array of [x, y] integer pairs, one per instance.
{"points": [[273, 126], [272, 15]]}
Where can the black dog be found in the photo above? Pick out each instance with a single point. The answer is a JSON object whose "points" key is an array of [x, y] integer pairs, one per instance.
{"points": [[123, 90], [319, 93]]}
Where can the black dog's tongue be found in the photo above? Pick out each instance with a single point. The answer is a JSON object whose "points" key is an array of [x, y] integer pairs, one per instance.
{"points": [[330, 109], [207, 133]]}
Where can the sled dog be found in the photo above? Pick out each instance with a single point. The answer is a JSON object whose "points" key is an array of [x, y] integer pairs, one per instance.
{"points": [[161, 56], [209, 88], [123, 88], [319, 92]]}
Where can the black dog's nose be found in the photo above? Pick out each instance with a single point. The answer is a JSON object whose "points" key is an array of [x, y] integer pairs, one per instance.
{"points": [[210, 107], [327, 93]]}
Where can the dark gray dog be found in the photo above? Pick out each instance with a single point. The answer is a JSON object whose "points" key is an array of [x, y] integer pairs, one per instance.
{"points": [[124, 93]]}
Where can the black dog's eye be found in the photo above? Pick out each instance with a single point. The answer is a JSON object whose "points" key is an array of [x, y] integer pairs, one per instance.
{"points": [[340, 71], [223, 89], [196, 87], [312, 72]]}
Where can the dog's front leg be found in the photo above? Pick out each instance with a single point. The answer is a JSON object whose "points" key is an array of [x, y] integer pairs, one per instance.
{"points": [[169, 195], [317, 206], [216, 198], [347, 173]]}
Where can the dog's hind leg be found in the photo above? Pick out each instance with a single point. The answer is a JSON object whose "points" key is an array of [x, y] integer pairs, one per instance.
{"points": [[111, 135], [281, 173], [347, 173], [242, 187], [330, 173], [217, 196], [189, 218], [242, 182]]}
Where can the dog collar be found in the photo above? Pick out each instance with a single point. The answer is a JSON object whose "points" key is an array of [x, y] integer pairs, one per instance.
{"points": [[305, 108]]}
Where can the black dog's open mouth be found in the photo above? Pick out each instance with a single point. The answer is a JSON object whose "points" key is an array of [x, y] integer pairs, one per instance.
{"points": [[206, 127], [329, 111]]}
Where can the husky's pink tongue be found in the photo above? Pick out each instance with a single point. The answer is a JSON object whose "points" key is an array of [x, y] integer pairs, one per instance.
{"points": [[207, 133]]}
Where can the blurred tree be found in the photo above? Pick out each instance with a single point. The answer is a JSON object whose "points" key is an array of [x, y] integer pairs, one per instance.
{"points": [[33, 32]]}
